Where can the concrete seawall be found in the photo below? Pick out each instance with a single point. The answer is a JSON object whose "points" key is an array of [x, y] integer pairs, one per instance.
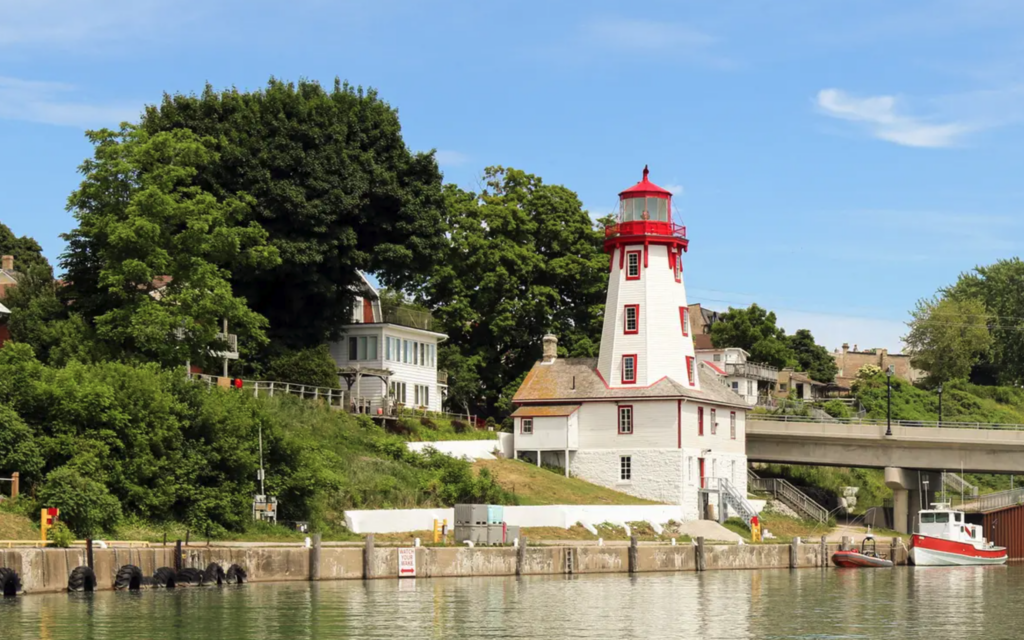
{"points": [[47, 570]]}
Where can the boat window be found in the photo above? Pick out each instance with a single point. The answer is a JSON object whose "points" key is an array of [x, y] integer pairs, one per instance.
{"points": [[956, 517], [927, 518], [941, 518]]}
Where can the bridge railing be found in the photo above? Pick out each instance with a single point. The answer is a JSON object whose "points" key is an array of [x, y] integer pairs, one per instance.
{"points": [[991, 501], [767, 417]]}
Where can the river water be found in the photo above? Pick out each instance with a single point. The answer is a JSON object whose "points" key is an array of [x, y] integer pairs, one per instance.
{"points": [[903, 603]]}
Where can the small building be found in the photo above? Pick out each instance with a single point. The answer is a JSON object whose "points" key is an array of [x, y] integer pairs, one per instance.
{"points": [[388, 356], [702, 321], [751, 381], [643, 417], [850, 361]]}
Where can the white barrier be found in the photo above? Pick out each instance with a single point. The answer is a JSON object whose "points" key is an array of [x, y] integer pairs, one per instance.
{"points": [[467, 449]]}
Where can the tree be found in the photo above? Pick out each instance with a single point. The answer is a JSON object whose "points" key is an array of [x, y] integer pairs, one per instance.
{"points": [[150, 259], [812, 357], [1000, 288], [314, 367], [333, 184], [523, 259], [948, 337], [26, 251], [755, 331]]}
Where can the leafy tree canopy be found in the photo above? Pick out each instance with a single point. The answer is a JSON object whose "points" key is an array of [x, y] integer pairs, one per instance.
{"points": [[1000, 288], [332, 183], [141, 224], [948, 337], [523, 259], [26, 251], [756, 331]]}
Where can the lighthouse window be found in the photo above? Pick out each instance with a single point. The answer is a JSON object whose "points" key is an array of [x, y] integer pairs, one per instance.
{"points": [[684, 320], [657, 209], [628, 369], [632, 265], [632, 317], [677, 267], [625, 420]]}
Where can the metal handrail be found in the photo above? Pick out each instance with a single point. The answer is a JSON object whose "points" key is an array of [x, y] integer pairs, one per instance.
{"points": [[790, 494], [767, 417], [992, 501]]}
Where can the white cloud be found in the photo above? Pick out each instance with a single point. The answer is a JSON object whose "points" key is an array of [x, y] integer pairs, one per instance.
{"points": [[73, 23], [449, 158], [676, 189], [645, 35], [55, 103], [880, 114]]}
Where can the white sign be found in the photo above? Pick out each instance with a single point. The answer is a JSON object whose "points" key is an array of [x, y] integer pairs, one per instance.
{"points": [[407, 562]]}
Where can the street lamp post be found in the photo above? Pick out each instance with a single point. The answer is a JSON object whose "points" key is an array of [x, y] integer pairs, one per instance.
{"points": [[888, 400], [940, 405]]}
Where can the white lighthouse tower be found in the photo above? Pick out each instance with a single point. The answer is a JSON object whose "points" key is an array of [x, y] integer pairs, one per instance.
{"points": [[646, 334]]}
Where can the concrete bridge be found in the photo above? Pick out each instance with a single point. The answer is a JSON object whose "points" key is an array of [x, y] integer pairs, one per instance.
{"points": [[912, 456]]}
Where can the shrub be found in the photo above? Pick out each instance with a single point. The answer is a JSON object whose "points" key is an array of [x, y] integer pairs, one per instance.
{"points": [[86, 506], [836, 409], [314, 367], [460, 426], [60, 536], [428, 423]]}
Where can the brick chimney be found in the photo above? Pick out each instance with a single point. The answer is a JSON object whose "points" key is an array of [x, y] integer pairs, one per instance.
{"points": [[846, 347], [550, 342], [7, 263], [854, 347]]}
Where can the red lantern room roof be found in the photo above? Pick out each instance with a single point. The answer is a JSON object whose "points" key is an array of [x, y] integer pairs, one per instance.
{"points": [[645, 188]]}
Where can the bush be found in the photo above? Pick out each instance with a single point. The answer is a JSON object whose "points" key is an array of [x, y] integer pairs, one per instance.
{"points": [[314, 367], [836, 409], [60, 536], [86, 506], [460, 426]]}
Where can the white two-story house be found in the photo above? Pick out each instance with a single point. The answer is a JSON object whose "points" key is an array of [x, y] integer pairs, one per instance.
{"points": [[751, 381], [395, 342]]}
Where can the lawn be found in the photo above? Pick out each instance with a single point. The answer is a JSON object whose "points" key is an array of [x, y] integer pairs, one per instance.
{"points": [[534, 485]]}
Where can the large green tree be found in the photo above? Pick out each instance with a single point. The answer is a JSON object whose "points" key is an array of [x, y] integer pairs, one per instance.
{"points": [[143, 223], [26, 251], [333, 184], [812, 357], [523, 259], [948, 337]]}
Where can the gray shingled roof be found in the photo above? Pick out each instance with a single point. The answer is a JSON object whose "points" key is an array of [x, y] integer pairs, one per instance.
{"points": [[574, 379]]}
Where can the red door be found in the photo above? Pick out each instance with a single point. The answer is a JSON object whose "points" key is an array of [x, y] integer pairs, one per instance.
{"points": [[703, 480]]}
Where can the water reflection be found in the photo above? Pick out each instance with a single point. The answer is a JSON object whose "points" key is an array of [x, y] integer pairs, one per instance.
{"points": [[927, 603]]}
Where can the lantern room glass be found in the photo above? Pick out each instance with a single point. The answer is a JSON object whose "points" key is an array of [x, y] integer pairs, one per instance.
{"points": [[632, 209]]}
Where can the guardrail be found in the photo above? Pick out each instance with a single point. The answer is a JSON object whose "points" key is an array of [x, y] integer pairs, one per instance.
{"points": [[993, 501], [767, 417], [789, 494]]}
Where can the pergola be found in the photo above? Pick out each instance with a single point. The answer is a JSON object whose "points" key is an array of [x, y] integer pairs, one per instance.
{"points": [[352, 376]]}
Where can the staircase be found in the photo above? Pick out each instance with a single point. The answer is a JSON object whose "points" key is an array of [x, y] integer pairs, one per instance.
{"points": [[958, 485], [789, 495], [735, 500]]}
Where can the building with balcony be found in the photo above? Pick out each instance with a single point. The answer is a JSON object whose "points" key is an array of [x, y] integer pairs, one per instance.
{"points": [[643, 417], [387, 355], [749, 380]]}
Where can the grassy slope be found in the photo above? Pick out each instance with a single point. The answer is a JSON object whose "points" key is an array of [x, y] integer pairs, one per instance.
{"points": [[537, 486], [17, 527]]}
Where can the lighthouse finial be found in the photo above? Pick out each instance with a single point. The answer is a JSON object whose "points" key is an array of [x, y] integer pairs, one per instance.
{"points": [[645, 172]]}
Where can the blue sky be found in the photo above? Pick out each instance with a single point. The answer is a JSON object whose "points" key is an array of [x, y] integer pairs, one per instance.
{"points": [[833, 161]]}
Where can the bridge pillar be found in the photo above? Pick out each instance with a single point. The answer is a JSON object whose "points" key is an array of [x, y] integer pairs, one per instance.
{"points": [[911, 491]]}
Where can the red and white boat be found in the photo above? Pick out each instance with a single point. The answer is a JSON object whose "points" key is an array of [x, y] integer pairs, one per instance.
{"points": [[942, 538]]}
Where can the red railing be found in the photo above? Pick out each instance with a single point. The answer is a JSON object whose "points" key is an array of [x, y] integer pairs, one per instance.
{"points": [[645, 227]]}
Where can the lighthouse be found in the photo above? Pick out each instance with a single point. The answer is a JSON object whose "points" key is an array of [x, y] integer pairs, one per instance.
{"points": [[646, 335], [643, 417]]}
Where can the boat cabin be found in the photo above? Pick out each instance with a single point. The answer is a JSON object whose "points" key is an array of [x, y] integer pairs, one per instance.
{"points": [[943, 522]]}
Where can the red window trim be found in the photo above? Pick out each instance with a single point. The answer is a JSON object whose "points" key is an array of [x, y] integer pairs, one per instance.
{"points": [[700, 421], [622, 371], [714, 424], [690, 373], [639, 266], [521, 421], [625, 319], [677, 266], [632, 420], [732, 425], [684, 321]]}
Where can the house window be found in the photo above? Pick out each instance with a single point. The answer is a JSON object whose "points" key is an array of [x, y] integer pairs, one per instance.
{"points": [[353, 348], [625, 468], [629, 369], [736, 386], [689, 369], [631, 319], [422, 392], [387, 348], [405, 351], [423, 354], [626, 419], [678, 267], [750, 387], [700, 421], [714, 423], [362, 348], [527, 426], [717, 357], [782, 386], [398, 391], [684, 320], [632, 265], [732, 425]]}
